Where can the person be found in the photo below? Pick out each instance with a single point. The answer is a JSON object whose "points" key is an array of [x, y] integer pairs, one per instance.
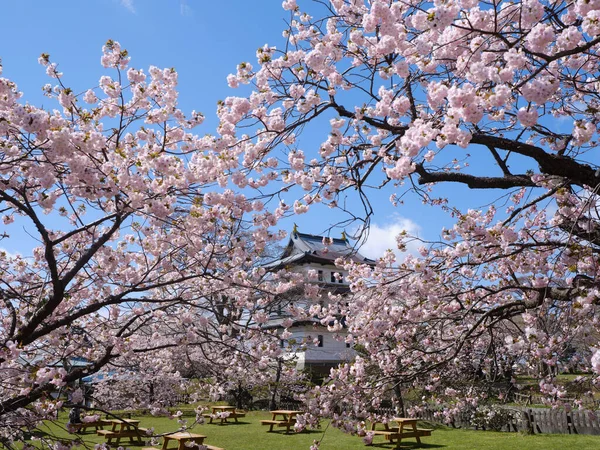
{"points": [[75, 415]]}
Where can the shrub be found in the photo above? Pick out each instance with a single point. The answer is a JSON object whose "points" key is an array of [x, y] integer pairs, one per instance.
{"points": [[491, 417]]}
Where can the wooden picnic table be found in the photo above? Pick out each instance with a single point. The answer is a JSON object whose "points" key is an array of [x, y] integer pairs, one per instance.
{"points": [[82, 426], [122, 428], [182, 437], [401, 431], [223, 408], [122, 424], [287, 420], [226, 412]]}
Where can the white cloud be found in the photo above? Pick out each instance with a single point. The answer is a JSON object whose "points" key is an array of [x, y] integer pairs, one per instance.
{"points": [[185, 9], [383, 237], [128, 4]]}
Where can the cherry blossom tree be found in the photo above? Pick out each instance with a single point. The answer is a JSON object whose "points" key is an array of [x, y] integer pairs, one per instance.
{"points": [[143, 217], [410, 93], [131, 231], [144, 382], [219, 358], [241, 379]]}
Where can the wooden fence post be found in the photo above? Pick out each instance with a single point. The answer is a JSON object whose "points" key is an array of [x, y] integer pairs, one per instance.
{"points": [[529, 421]]}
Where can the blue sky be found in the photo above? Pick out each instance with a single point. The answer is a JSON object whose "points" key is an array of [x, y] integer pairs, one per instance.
{"points": [[204, 40]]}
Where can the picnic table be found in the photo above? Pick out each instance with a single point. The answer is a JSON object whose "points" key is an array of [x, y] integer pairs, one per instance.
{"points": [[183, 438], [122, 428], [82, 426], [223, 413], [407, 428], [287, 419]]}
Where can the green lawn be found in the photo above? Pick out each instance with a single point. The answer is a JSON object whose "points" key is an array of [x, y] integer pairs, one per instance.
{"points": [[250, 435]]}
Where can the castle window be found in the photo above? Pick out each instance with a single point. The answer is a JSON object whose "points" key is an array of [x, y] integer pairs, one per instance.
{"points": [[320, 339], [320, 273], [333, 277]]}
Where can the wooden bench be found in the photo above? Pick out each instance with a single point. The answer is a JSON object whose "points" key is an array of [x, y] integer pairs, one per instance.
{"points": [[208, 447], [232, 415], [384, 432], [392, 435], [78, 427], [123, 432], [118, 435], [279, 423], [105, 432]]}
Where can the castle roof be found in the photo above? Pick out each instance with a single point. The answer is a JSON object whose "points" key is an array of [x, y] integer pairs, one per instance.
{"points": [[308, 248]]}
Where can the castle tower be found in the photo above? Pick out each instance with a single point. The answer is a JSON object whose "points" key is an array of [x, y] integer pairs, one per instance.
{"points": [[305, 252]]}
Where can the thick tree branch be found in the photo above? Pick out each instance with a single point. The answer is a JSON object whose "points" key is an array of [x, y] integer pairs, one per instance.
{"points": [[472, 181], [550, 164], [27, 333]]}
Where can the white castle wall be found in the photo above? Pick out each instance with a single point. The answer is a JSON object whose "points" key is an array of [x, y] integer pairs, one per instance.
{"points": [[333, 349]]}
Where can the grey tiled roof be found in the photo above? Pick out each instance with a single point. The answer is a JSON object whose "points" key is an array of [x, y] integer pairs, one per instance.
{"points": [[304, 247]]}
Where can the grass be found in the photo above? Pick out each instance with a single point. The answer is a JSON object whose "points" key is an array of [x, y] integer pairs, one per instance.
{"points": [[248, 434]]}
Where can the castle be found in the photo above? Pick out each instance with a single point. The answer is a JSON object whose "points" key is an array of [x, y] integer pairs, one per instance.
{"points": [[303, 253]]}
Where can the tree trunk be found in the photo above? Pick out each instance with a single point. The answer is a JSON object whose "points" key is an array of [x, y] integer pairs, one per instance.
{"points": [[273, 402], [240, 395], [399, 401]]}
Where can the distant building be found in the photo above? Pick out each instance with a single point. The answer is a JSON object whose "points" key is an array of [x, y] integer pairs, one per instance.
{"points": [[303, 253]]}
